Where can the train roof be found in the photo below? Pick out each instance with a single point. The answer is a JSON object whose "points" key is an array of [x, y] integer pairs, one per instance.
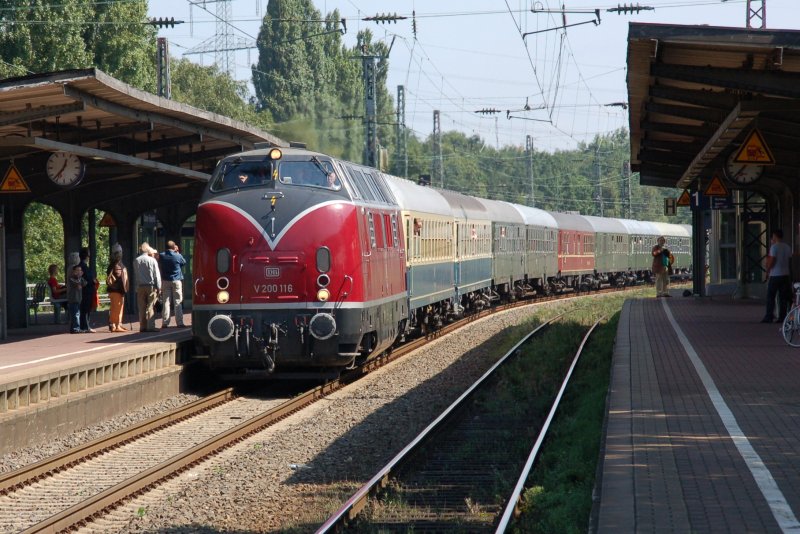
{"points": [[464, 206], [674, 230], [534, 216], [572, 221], [413, 197], [500, 211], [606, 225], [640, 227]]}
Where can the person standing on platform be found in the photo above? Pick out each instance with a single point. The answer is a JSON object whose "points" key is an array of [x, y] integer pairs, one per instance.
{"points": [[779, 284], [75, 285], [660, 267], [89, 290], [172, 263], [117, 287], [148, 284]]}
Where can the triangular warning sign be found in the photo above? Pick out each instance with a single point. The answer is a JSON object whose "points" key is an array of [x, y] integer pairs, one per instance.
{"points": [[107, 220], [684, 199], [716, 188], [754, 150], [13, 182]]}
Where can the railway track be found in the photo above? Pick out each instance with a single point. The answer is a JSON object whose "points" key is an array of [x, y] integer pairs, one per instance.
{"points": [[81, 485], [457, 474]]}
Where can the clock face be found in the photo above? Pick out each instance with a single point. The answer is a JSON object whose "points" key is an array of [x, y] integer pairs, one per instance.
{"points": [[742, 173], [65, 169]]}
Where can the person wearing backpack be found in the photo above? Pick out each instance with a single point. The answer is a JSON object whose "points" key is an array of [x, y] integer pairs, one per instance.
{"points": [[661, 267]]}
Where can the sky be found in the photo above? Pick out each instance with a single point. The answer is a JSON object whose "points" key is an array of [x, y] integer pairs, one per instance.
{"points": [[470, 55]]}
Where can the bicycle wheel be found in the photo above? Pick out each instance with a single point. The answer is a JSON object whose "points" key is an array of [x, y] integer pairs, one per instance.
{"points": [[791, 327]]}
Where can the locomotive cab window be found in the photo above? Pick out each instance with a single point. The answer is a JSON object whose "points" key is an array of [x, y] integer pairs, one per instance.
{"points": [[310, 173], [240, 173]]}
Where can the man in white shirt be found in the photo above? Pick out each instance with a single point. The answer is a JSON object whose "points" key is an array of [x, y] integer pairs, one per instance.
{"points": [[778, 270], [148, 284]]}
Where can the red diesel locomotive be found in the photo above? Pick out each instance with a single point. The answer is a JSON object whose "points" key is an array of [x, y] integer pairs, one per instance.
{"points": [[294, 266]]}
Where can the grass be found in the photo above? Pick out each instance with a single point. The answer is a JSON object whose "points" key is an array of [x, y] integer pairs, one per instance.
{"points": [[559, 498]]}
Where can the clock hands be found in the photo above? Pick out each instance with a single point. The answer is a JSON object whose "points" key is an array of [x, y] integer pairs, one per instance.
{"points": [[58, 174]]}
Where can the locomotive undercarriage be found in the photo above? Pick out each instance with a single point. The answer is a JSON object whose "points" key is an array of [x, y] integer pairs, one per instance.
{"points": [[305, 343]]}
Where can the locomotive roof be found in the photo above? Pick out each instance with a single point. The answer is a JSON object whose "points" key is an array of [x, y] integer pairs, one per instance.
{"points": [[606, 225], [500, 212], [534, 216], [572, 221], [415, 197], [640, 227], [463, 206]]}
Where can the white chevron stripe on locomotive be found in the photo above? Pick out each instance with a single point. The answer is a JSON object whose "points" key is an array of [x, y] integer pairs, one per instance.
{"points": [[274, 242]]}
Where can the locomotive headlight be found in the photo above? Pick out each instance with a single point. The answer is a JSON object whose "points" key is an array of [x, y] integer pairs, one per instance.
{"points": [[223, 297], [275, 153], [323, 295]]}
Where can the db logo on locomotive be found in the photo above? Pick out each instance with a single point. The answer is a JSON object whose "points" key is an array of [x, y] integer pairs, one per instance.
{"points": [[272, 272]]}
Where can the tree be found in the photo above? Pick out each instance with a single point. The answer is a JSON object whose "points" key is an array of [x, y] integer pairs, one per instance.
{"points": [[53, 35], [209, 89]]}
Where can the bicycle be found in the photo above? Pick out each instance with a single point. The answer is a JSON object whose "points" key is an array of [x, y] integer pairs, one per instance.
{"points": [[791, 323]]}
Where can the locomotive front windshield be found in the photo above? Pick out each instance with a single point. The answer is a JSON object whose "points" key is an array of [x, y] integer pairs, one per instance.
{"points": [[313, 172], [239, 173]]}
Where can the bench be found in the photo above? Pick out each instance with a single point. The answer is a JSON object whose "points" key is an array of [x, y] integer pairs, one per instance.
{"points": [[57, 304], [36, 299]]}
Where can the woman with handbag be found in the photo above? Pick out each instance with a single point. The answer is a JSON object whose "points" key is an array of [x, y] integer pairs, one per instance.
{"points": [[117, 287]]}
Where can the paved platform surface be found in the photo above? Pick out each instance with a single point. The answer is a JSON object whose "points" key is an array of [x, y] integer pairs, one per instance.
{"points": [[703, 427], [47, 345]]}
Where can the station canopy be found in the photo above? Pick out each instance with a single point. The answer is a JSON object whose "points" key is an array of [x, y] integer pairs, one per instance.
{"points": [[696, 93], [136, 140]]}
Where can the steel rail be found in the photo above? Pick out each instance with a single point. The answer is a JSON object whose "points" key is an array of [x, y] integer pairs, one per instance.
{"points": [[58, 462], [358, 501], [513, 501], [84, 511]]}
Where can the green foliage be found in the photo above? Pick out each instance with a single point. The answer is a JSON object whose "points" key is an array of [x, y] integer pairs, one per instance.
{"points": [[44, 242], [50, 35], [209, 89], [559, 498]]}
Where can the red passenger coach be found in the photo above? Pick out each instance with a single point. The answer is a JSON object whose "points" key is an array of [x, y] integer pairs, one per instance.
{"points": [[296, 273], [575, 247]]}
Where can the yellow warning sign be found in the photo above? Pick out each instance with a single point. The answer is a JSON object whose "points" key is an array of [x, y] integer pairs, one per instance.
{"points": [[716, 188], [684, 199], [13, 182], [754, 150], [107, 220]]}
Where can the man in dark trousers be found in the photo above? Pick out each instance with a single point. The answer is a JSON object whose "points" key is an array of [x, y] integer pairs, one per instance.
{"points": [[779, 284], [172, 263], [89, 290]]}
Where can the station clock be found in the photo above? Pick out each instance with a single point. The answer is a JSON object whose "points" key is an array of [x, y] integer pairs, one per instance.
{"points": [[742, 173], [65, 169]]}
